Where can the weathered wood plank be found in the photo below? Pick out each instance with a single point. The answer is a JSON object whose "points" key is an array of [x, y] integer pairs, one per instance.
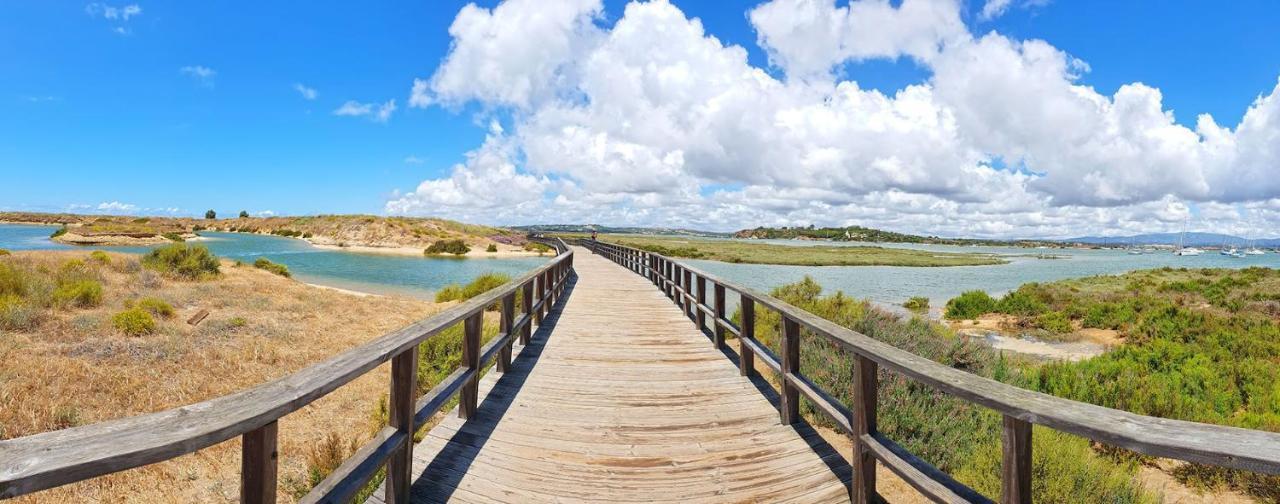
{"points": [[258, 465], [1015, 466]]}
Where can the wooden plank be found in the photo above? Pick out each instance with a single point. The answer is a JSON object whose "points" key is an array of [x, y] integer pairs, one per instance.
{"points": [[349, 478], [928, 480], [471, 360], [527, 300], [1015, 467], [789, 405], [404, 388], [718, 328], [258, 465], [866, 390], [504, 327], [746, 360], [702, 302]]}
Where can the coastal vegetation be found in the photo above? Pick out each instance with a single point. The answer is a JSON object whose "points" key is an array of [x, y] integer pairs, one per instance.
{"points": [[1199, 344], [956, 436], [737, 251], [125, 347], [865, 234], [916, 303], [479, 285], [188, 262], [375, 232], [455, 247], [263, 263]]}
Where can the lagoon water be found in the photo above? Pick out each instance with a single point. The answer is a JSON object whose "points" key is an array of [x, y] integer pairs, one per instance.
{"points": [[886, 285], [891, 285], [367, 272]]}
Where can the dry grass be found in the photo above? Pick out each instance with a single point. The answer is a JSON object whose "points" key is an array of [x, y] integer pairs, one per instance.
{"points": [[73, 368]]}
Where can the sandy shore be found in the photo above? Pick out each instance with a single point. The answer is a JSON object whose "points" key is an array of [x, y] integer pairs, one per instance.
{"points": [[345, 291], [417, 251]]}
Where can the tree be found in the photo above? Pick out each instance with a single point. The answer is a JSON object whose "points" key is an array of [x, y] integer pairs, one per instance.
{"points": [[244, 214], [211, 214]]}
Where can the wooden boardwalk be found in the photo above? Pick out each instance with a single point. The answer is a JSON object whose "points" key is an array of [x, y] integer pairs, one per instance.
{"points": [[619, 398]]}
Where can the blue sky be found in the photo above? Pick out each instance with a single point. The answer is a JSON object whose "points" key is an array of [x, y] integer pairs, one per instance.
{"points": [[98, 109]]}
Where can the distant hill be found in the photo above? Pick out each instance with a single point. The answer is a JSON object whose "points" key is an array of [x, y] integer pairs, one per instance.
{"points": [[866, 234], [587, 228], [1192, 239]]}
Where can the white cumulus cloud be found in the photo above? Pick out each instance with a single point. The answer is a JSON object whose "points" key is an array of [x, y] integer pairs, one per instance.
{"points": [[653, 120]]}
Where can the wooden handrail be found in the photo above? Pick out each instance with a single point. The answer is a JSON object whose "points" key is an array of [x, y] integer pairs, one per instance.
{"points": [[46, 460], [1217, 445]]}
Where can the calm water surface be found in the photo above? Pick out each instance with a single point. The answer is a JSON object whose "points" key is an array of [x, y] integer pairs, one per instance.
{"points": [[379, 273], [891, 285]]}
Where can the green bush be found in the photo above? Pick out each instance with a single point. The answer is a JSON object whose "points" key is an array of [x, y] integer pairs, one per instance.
{"points": [[191, 262], [211, 214], [536, 247], [155, 306], [491, 248], [100, 257], [13, 281], [16, 314], [277, 268], [451, 292], [174, 237], [1021, 302], [917, 303], [4, 252], [1063, 469], [59, 232], [1055, 322], [80, 293], [134, 322], [455, 247], [969, 305], [479, 285], [244, 214]]}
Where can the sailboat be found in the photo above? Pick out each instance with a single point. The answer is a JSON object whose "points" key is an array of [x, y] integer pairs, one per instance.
{"points": [[1253, 249], [1185, 251]]}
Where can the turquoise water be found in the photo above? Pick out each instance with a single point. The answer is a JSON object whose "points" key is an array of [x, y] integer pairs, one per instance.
{"points": [[378, 273], [891, 285]]}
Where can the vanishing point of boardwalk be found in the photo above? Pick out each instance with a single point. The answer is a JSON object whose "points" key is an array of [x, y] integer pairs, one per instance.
{"points": [[620, 398]]}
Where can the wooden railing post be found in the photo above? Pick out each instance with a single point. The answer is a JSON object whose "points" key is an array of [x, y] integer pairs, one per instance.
{"points": [[717, 329], [865, 397], [527, 329], [747, 359], [702, 301], [505, 325], [404, 391], [1016, 464], [688, 293], [470, 393], [789, 406], [535, 287], [258, 464]]}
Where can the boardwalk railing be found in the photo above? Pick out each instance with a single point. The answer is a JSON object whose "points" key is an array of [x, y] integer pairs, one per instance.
{"points": [[1216, 445], [32, 463]]}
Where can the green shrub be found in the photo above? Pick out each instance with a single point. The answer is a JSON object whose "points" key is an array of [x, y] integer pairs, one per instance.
{"points": [[277, 268], [536, 247], [59, 232], [1063, 469], [211, 214], [155, 306], [142, 220], [451, 292], [191, 262], [174, 237], [4, 252], [100, 257], [1055, 322], [16, 314], [479, 285], [307, 234], [969, 305], [1022, 303], [491, 248], [134, 322], [80, 293], [13, 281], [244, 214], [455, 247], [917, 303]]}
